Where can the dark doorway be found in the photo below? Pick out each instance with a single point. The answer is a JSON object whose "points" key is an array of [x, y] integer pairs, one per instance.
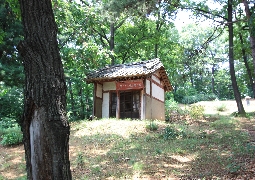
{"points": [[129, 104]]}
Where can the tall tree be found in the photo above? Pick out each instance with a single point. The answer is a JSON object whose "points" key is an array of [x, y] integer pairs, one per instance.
{"points": [[45, 126], [251, 23], [245, 60], [231, 59], [220, 17]]}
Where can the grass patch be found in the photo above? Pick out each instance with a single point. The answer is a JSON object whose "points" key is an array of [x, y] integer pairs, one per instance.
{"points": [[123, 153], [152, 126], [221, 108], [134, 149]]}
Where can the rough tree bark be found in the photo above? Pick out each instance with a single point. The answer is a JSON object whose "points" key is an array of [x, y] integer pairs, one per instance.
{"points": [[231, 60], [111, 42], [251, 29], [252, 84], [252, 33], [45, 126]]}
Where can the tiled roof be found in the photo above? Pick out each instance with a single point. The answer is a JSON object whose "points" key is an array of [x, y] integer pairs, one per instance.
{"points": [[135, 69]]}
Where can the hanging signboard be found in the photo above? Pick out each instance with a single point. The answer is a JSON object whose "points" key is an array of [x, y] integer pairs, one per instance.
{"points": [[129, 85]]}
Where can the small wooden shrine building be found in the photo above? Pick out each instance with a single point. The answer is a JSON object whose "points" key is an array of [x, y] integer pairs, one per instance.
{"points": [[135, 90]]}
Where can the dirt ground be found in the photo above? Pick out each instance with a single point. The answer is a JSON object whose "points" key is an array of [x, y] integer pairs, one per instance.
{"points": [[12, 160]]}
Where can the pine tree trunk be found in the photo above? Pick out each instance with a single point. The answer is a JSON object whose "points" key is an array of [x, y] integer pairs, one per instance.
{"points": [[231, 61], [213, 81], [71, 97], [112, 30], [251, 29], [45, 126], [252, 84]]}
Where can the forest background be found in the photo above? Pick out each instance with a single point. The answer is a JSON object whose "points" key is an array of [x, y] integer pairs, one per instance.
{"points": [[93, 34]]}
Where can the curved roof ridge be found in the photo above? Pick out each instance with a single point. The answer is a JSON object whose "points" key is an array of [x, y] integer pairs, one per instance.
{"points": [[133, 69]]}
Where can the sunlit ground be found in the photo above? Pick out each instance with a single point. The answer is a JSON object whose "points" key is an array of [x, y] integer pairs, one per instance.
{"points": [[218, 146]]}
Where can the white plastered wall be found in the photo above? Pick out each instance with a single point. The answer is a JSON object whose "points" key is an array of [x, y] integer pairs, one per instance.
{"points": [[99, 90], [148, 90], [105, 105], [107, 86], [158, 92], [155, 78], [155, 108]]}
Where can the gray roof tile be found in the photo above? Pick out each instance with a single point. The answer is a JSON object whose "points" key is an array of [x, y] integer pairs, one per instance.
{"points": [[135, 69]]}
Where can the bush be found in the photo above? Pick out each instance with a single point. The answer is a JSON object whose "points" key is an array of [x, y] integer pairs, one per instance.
{"points": [[7, 122], [221, 107], [12, 136], [172, 133], [11, 102], [198, 97], [152, 126], [190, 99], [181, 92], [172, 105], [173, 110], [196, 111]]}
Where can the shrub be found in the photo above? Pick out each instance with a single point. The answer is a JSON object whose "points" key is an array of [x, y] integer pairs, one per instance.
{"points": [[7, 122], [80, 160], [173, 110], [11, 102], [171, 105], [196, 111], [198, 97], [172, 133], [221, 107], [210, 97], [152, 126], [190, 99], [12, 137]]}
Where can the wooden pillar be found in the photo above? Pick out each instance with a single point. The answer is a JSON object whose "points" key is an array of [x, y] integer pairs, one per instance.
{"points": [[118, 105], [94, 101], [151, 95]]}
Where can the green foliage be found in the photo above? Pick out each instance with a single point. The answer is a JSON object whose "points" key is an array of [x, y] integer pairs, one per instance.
{"points": [[221, 107], [223, 123], [6, 122], [80, 160], [233, 167], [173, 110], [138, 166], [171, 133], [11, 136], [172, 106], [198, 97], [152, 126], [196, 111], [11, 105]]}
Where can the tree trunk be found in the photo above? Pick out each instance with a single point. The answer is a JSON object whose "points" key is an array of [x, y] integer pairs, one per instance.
{"points": [[231, 61], [71, 98], [82, 110], [213, 82], [45, 126], [252, 34], [252, 84], [112, 30], [251, 29], [156, 46]]}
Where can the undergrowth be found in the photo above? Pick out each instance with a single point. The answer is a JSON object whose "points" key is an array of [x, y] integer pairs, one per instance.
{"points": [[125, 149]]}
